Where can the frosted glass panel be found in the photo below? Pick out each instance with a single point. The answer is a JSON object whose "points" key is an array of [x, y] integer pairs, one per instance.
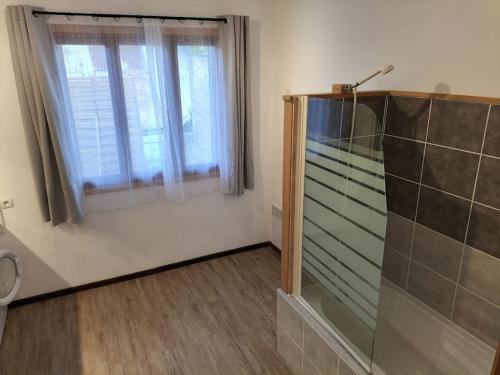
{"points": [[344, 219]]}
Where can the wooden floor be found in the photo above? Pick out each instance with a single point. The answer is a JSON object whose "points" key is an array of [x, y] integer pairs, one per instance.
{"points": [[214, 317]]}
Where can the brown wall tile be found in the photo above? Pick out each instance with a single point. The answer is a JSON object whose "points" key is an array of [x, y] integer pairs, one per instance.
{"points": [[484, 232], [309, 368], [289, 351], [477, 316], [318, 351], [437, 251], [481, 274], [401, 196], [344, 369], [442, 218], [488, 182], [290, 320], [492, 140], [403, 158], [395, 267], [457, 124], [431, 288], [407, 117], [450, 170], [324, 117], [399, 232], [375, 103], [444, 213], [369, 116], [369, 146]]}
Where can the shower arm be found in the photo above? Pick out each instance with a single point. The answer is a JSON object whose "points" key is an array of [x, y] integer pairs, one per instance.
{"points": [[366, 79], [384, 70], [353, 90]]}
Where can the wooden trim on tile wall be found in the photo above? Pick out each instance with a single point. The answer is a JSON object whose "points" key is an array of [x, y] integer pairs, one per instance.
{"points": [[413, 94], [451, 97], [495, 370], [288, 198], [336, 95]]}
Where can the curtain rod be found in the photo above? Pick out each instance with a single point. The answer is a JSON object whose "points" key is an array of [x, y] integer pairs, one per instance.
{"points": [[36, 13]]}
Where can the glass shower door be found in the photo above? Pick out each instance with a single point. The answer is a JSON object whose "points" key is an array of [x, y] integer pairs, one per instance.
{"points": [[344, 218]]}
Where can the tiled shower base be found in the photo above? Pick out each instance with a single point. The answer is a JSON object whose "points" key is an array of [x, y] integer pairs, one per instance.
{"points": [[411, 339]]}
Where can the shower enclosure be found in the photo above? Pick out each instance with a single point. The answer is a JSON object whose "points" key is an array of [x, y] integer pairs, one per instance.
{"points": [[389, 235]]}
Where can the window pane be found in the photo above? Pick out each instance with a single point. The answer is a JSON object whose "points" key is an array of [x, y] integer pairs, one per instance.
{"points": [[86, 70], [197, 100], [145, 132]]}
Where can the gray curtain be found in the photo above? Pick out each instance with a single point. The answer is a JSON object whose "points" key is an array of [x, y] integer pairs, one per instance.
{"points": [[41, 99], [236, 47]]}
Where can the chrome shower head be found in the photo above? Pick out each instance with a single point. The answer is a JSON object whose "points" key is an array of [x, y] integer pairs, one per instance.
{"points": [[387, 69]]}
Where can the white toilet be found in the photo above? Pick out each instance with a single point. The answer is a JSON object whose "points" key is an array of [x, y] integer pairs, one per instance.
{"points": [[10, 281]]}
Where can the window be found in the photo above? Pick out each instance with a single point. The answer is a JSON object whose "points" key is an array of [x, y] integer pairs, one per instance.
{"points": [[115, 89], [194, 73]]}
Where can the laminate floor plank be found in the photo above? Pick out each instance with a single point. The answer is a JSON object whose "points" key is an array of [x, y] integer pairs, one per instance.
{"points": [[213, 317]]}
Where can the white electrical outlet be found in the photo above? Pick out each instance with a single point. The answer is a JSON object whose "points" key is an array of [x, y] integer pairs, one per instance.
{"points": [[6, 203]]}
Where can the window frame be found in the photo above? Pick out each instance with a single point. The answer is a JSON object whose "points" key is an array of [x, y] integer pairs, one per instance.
{"points": [[111, 38]]}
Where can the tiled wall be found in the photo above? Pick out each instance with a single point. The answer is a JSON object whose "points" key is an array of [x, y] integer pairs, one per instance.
{"points": [[306, 347], [442, 161]]}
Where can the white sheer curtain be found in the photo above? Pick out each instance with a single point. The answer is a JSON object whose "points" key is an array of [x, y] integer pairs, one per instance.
{"points": [[145, 99]]}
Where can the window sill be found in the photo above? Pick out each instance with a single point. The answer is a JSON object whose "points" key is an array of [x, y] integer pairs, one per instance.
{"points": [[187, 177]]}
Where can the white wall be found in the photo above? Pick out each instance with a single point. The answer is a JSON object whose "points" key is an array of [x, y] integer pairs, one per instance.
{"points": [[144, 236], [453, 43], [297, 47]]}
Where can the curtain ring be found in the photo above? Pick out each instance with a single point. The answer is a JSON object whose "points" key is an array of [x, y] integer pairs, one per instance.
{"points": [[116, 19], [162, 20], [95, 18], [201, 22], [182, 21], [139, 19], [35, 14], [69, 17]]}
